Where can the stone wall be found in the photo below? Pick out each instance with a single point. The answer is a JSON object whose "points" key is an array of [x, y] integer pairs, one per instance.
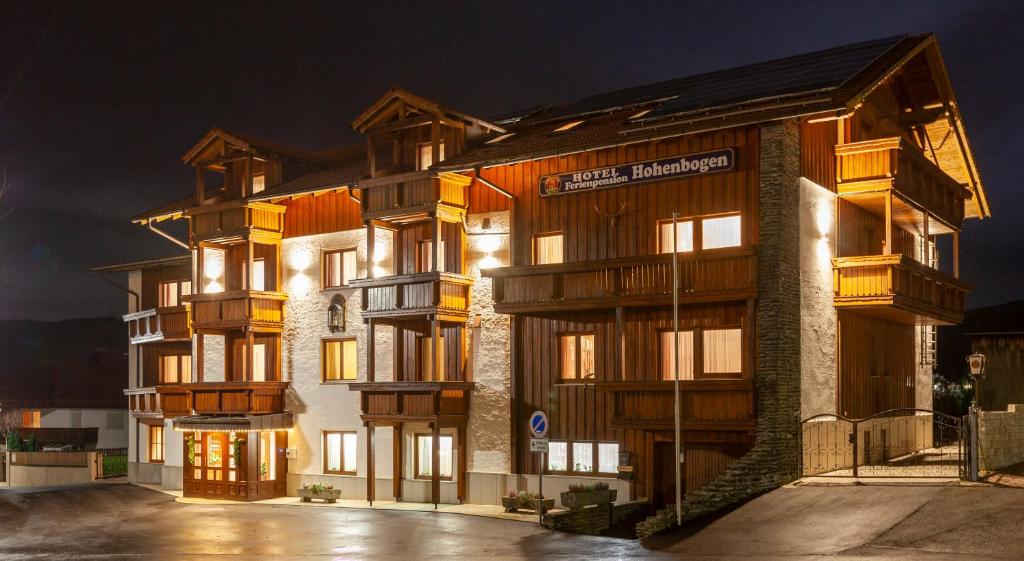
{"points": [[595, 519], [775, 458], [1001, 437]]}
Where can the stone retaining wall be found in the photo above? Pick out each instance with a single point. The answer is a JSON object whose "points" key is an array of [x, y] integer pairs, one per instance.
{"points": [[1001, 437]]}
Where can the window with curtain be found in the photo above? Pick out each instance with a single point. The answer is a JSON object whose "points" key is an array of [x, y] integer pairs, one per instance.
{"points": [[424, 458], [426, 359], [172, 291], [668, 358], [426, 258], [259, 183], [684, 231], [340, 452], [156, 444], [576, 356], [340, 267], [175, 369], [268, 456], [583, 457], [259, 362], [425, 154], [722, 231], [547, 248], [723, 352], [608, 457], [558, 456], [339, 359]]}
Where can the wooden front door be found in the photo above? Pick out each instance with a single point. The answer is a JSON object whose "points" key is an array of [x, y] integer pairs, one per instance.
{"points": [[215, 470], [665, 474]]}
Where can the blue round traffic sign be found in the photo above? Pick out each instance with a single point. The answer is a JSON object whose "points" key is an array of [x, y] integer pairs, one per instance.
{"points": [[539, 424]]}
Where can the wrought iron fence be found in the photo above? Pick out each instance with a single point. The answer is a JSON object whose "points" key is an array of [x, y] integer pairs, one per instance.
{"points": [[112, 462]]}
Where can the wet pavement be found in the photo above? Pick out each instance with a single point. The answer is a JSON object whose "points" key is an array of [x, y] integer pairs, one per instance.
{"points": [[121, 521]]}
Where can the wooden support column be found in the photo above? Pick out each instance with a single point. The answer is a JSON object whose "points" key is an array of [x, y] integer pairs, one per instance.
{"points": [[199, 357], [371, 157], [247, 176], [887, 250], [396, 462], [435, 140], [200, 280], [248, 267], [435, 463], [925, 239], [371, 350], [200, 184], [435, 248], [371, 237], [956, 254], [620, 346], [398, 368], [437, 374], [250, 341], [461, 483], [371, 475]]}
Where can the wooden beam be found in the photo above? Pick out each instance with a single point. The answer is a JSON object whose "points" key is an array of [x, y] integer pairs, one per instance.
{"points": [[463, 473], [371, 475], [200, 185], [956, 254], [887, 250], [250, 341], [396, 459], [371, 350], [921, 117], [437, 373], [200, 344], [435, 249], [435, 140]]}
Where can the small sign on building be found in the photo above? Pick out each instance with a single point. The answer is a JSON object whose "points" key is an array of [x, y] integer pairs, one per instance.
{"points": [[539, 445]]}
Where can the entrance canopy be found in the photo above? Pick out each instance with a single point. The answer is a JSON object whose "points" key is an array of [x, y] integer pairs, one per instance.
{"points": [[234, 423]]}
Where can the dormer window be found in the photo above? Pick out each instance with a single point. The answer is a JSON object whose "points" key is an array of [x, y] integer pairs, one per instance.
{"points": [[498, 139], [568, 126], [425, 155], [259, 183]]}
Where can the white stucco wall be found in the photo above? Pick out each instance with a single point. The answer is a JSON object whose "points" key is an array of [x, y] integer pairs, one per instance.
{"points": [[112, 423], [213, 357], [817, 314]]}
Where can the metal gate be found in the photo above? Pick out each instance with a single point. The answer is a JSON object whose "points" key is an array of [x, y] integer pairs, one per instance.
{"points": [[895, 443]]}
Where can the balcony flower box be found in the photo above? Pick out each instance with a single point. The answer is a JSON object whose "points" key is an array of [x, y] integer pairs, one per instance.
{"points": [[580, 496], [525, 500], [316, 491]]}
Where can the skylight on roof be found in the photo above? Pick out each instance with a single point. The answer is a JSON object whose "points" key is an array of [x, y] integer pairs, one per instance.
{"points": [[640, 114], [569, 125], [497, 139]]}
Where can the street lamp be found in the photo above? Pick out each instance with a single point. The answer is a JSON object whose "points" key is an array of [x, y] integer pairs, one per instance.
{"points": [[976, 364]]}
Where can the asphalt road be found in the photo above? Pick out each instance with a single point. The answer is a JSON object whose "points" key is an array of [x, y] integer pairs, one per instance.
{"points": [[120, 521]]}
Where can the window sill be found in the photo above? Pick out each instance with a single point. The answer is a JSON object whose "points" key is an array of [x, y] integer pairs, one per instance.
{"points": [[573, 382], [337, 382], [428, 478], [340, 473]]}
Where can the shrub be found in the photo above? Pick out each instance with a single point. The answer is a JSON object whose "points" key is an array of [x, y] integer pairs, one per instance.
{"points": [[31, 445], [583, 488], [13, 442]]}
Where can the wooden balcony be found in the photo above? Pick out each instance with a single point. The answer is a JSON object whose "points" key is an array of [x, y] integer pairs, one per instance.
{"points": [[897, 287], [222, 398], [159, 324], [705, 276], [705, 405], [238, 309], [435, 295], [866, 172], [144, 402], [235, 221], [383, 402], [413, 196]]}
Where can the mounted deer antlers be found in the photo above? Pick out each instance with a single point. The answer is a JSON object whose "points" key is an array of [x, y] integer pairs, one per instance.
{"points": [[613, 219]]}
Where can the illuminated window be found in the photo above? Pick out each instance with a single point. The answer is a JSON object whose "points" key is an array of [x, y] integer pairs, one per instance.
{"points": [[172, 291], [684, 233], [426, 359], [339, 359], [723, 351], [721, 232], [156, 444], [424, 458], [547, 248], [558, 456], [426, 258], [340, 267], [568, 126], [259, 362], [608, 457], [259, 274], [583, 457], [340, 452], [259, 183], [425, 155], [576, 356], [668, 364], [31, 418], [268, 456], [498, 139], [175, 369]]}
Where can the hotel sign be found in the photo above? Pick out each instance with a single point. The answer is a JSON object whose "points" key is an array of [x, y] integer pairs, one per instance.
{"points": [[689, 165]]}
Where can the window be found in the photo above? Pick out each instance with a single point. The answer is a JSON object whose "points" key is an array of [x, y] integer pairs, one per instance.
{"points": [[608, 457], [156, 444], [684, 231], [576, 356], [259, 274], [721, 232], [424, 459], [213, 269], [547, 248], [668, 357], [259, 183], [172, 291], [339, 267], [339, 359], [568, 126], [31, 418], [426, 359], [340, 452], [426, 258], [425, 155], [723, 351], [175, 369], [383, 259], [259, 362], [268, 456], [558, 456], [583, 456]]}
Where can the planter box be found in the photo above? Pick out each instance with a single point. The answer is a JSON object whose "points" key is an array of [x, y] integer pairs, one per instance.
{"points": [[327, 495], [579, 499], [514, 504]]}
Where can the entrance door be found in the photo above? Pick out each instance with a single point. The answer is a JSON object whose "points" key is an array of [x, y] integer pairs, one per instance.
{"points": [[665, 474]]}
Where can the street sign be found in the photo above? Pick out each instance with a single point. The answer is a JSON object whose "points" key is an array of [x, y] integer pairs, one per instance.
{"points": [[539, 424], [539, 445]]}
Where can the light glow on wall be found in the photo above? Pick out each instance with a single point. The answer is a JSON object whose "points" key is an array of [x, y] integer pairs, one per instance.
{"points": [[213, 270], [300, 259]]}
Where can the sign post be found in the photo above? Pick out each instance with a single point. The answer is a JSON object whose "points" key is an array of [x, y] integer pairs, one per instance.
{"points": [[539, 444]]}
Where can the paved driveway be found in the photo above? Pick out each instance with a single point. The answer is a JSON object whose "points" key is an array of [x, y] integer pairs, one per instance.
{"points": [[119, 521]]}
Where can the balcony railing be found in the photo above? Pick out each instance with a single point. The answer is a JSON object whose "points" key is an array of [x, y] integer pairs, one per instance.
{"points": [[144, 402], [411, 195], [876, 166], [897, 286], [233, 220], [237, 309], [414, 401], [706, 276], [444, 295], [159, 324], [704, 404], [222, 398]]}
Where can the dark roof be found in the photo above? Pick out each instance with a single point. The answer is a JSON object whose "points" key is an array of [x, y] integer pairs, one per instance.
{"points": [[179, 205], [1002, 319], [342, 175], [146, 264]]}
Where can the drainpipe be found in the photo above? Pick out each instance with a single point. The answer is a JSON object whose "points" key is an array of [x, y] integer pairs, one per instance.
{"points": [[165, 235]]}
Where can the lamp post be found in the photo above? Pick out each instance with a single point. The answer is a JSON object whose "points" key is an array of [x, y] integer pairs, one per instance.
{"points": [[976, 366]]}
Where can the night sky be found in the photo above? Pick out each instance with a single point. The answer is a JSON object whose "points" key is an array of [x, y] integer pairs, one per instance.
{"points": [[99, 100]]}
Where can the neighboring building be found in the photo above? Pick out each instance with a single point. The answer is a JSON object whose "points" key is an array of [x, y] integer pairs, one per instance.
{"points": [[64, 378], [998, 333], [524, 262]]}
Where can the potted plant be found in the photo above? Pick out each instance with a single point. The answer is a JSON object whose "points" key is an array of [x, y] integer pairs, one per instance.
{"points": [[326, 493], [525, 500], [579, 496]]}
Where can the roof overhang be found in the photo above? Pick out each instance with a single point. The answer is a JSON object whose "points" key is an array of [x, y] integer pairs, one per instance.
{"points": [[372, 114], [233, 423]]}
